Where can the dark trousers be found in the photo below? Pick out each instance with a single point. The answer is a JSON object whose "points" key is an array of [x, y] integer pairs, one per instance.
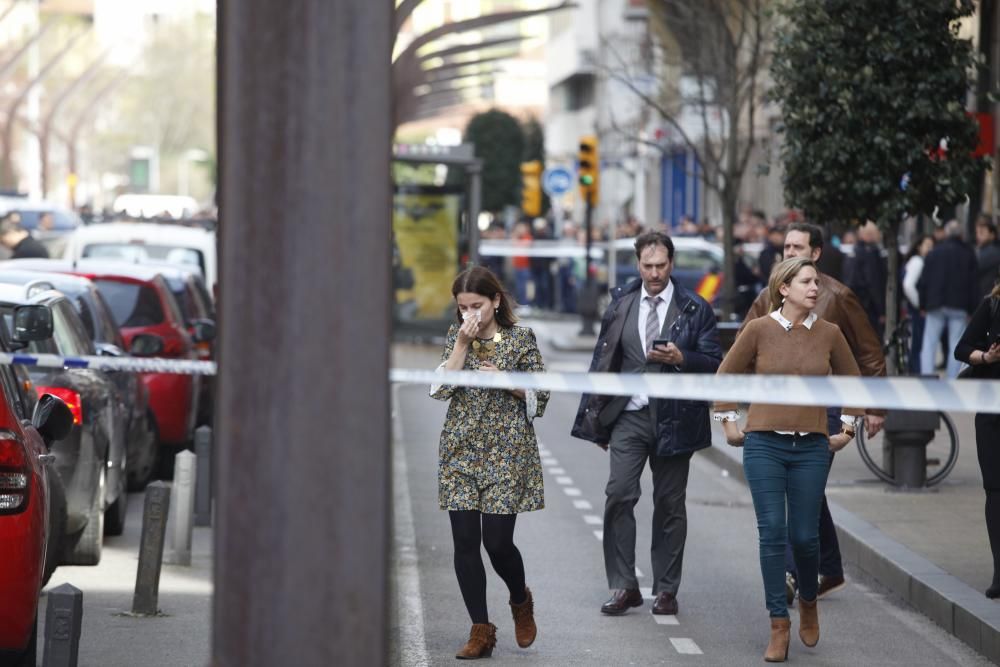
{"points": [[786, 471], [633, 442], [988, 451]]}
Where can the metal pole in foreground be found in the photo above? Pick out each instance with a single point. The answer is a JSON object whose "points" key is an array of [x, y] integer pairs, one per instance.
{"points": [[182, 506], [203, 476], [588, 297], [63, 625], [154, 528], [302, 484]]}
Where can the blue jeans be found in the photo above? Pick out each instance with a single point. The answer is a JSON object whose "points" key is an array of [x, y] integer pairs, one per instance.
{"points": [[934, 324], [788, 469]]}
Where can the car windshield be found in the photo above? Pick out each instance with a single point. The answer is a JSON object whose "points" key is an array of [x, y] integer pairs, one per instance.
{"points": [[132, 304], [139, 253]]}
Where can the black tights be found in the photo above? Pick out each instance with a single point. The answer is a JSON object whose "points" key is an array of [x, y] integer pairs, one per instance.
{"points": [[993, 530], [469, 529]]}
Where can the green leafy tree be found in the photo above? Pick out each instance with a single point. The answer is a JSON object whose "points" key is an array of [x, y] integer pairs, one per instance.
{"points": [[499, 143], [872, 94]]}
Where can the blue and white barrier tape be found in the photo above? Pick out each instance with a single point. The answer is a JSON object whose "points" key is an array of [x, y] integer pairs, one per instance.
{"points": [[136, 364], [898, 393]]}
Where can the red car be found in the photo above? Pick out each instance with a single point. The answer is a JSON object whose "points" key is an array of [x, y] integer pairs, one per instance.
{"points": [[24, 497]]}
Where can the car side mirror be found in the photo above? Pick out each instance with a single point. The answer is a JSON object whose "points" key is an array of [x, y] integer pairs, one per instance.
{"points": [[52, 419], [146, 345], [109, 350], [204, 330], [33, 322]]}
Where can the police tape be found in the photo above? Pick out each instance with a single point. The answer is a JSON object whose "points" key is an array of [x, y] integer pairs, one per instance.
{"points": [[135, 364], [896, 393]]}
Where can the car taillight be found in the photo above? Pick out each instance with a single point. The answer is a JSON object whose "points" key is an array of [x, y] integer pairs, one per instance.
{"points": [[204, 350], [67, 396], [14, 475]]}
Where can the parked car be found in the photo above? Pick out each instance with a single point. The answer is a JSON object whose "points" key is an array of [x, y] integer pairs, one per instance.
{"points": [[27, 515], [142, 242], [100, 325], [196, 305], [91, 461]]}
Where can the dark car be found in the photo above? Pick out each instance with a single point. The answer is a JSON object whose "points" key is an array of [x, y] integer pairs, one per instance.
{"points": [[102, 329], [142, 303], [91, 461]]}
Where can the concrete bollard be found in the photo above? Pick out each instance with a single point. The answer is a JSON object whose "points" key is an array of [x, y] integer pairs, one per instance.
{"points": [[203, 479], [154, 527], [63, 623], [180, 524]]}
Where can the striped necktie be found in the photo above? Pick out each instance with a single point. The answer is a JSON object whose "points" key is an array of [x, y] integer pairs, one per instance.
{"points": [[652, 322]]}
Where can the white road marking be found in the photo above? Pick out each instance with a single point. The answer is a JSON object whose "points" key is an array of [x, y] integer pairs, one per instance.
{"points": [[685, 646], [412, 643], [593, 519], [564, 480], [582, 505], [599, 534], [638, 573], [549, 462], [661, 619], [557, 471], [571, 491], [647, 592]]}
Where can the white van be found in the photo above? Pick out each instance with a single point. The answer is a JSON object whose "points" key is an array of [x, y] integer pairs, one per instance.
{"points": [[142, 242]]}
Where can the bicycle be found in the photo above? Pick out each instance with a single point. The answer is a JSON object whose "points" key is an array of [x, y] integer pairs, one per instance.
{"points": [[942, 454]]}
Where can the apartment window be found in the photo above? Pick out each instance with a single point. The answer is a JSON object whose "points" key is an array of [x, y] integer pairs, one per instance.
{"points": [[573, 94]]}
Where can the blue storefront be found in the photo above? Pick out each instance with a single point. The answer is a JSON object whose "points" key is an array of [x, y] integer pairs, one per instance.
{"points": [[680, 186]]}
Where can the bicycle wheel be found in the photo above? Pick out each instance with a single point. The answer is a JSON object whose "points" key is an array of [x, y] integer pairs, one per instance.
{"points": [[942, 452]]}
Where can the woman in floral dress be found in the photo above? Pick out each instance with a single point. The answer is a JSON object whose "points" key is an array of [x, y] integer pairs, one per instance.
{"points": [[489, 469]]}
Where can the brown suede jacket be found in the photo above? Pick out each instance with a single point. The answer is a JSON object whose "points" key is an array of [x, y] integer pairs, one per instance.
{"points": [[838, 304]]}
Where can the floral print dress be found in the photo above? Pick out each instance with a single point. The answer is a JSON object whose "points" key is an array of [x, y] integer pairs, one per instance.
{"points": [[488, 455]]}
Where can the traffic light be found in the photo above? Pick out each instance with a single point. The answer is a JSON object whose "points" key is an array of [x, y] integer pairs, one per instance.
{"points": [[589, 169], [531, 188]]}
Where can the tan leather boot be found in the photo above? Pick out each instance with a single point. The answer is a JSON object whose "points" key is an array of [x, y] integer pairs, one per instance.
{"points": [[524, 620], [777, 648], [808, 622], [482, 639]]}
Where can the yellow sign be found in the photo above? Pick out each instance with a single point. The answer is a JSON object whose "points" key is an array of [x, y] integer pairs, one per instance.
{"points": [[425, 254]]}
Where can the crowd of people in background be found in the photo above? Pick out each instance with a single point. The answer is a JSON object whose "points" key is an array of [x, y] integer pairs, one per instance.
{"points": [[942, 276]]}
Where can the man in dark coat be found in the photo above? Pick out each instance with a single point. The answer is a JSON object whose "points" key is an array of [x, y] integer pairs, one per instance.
{"points": [[949, 292], [988, 254], [869, 274], [17, 239], [635, 429]]}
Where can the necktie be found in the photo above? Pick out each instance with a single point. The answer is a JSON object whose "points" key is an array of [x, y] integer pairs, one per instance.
{"points": [[652, 322]]}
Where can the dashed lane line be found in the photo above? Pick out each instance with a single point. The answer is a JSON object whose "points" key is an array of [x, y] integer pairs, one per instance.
{"points": [[581, 504], [665, 620], [599, 534], [565, 481], [593, 519], [572, 491], [557, 471], [685, 646]]}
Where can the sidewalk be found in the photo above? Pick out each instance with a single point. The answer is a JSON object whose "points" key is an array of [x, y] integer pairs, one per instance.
{"points": [[929, 547], [179, 637]]}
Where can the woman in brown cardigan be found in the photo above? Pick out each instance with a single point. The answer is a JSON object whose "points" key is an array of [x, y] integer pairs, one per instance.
{"points": [[787, 447]]}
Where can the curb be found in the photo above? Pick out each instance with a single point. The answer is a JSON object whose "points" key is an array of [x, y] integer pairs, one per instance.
{"points": [[951, 603]]}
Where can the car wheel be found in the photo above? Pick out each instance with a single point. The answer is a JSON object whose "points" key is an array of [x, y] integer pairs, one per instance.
{"points": [[84, 548], [57, 525], [114, 516], [141, 471]]}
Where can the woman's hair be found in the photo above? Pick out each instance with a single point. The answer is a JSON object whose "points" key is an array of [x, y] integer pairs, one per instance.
{"points": [[480, 280], [783, 274], [915, 248]]}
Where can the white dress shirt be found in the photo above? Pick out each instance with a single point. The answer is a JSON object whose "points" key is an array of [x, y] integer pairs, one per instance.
{"points": [[642, 400]]}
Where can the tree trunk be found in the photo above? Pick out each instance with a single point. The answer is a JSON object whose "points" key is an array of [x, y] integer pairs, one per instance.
{"points": [[892, 297], [730, 195]]}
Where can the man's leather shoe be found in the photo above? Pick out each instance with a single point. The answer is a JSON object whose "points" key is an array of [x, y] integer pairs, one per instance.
{"points": [[621, 600], [666, 604]]}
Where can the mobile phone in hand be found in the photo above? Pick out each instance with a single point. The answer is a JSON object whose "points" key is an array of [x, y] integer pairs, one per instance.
{"points": [[661, 341]]}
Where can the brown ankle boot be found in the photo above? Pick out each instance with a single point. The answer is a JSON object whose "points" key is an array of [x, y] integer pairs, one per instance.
{"points": [[524, 620], [808, 622], [777, 648], [482, 639]]}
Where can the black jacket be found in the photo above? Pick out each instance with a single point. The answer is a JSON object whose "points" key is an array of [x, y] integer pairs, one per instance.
{"points": [[29, 248], [682, 426], [989, 267], [949, 278], [982, 332]]}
